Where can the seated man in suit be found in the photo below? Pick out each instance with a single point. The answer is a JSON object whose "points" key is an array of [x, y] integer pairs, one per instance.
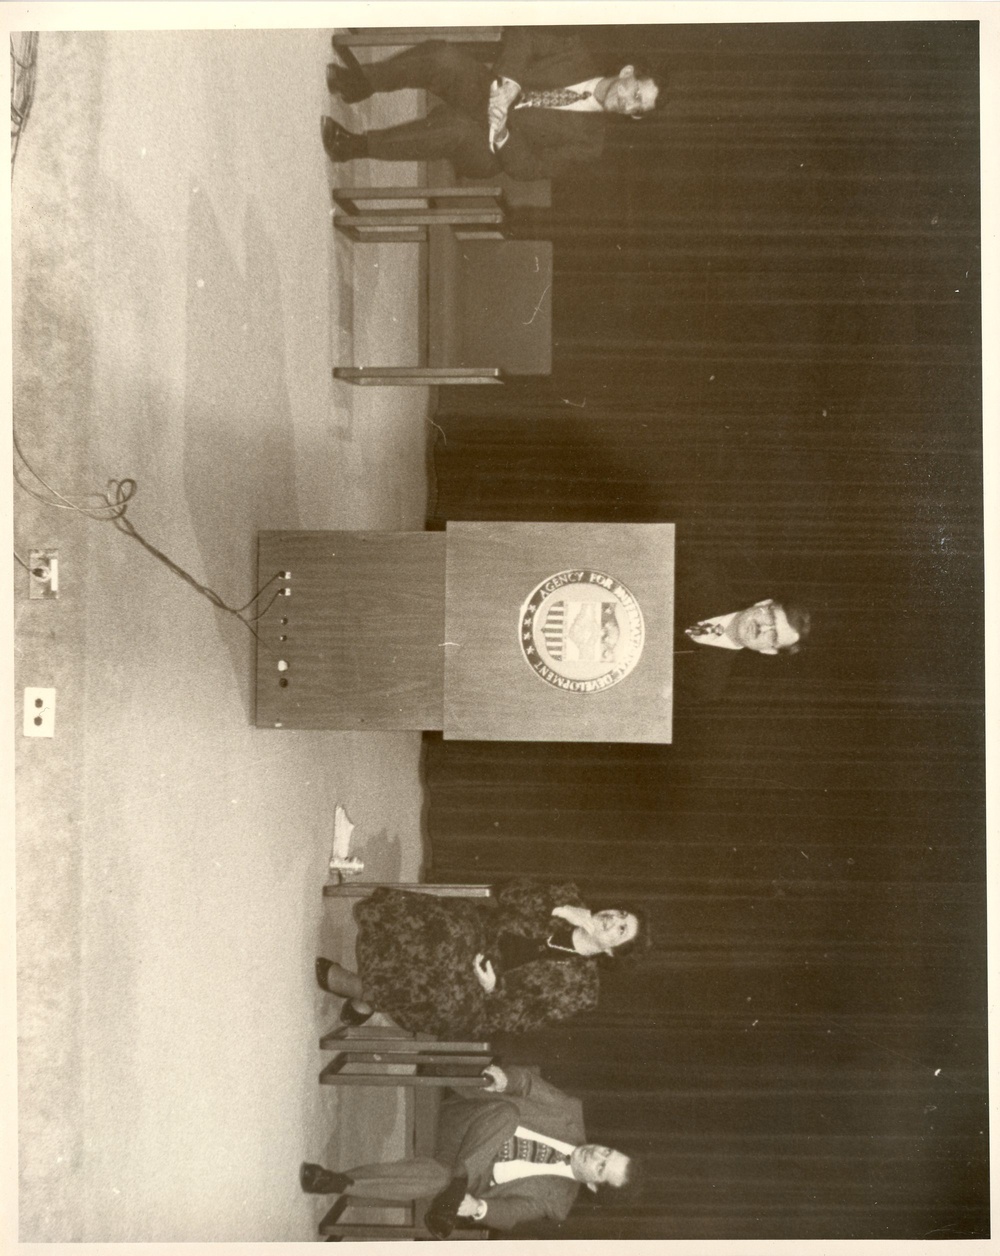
{"points": [[711, 633], [498, 1161], [538, 112]]}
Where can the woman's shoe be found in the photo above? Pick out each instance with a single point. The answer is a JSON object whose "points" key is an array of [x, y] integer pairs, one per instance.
{"points": [[323, 967], [350, 1015]]}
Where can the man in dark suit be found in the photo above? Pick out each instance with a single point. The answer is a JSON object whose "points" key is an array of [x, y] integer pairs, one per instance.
{"points": [[499, 1161], [711, 633], [539, 111]]}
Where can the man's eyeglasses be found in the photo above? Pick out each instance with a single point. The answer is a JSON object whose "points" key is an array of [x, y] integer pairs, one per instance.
{"points": [[768, 625]]}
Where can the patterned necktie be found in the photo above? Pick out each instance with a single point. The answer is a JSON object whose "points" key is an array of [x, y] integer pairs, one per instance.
{"points": [[529, 1149], [551, 100], [705, 630]]}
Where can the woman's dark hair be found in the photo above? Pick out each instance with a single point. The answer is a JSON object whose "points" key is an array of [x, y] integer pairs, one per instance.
{"points": [[643, 939]]}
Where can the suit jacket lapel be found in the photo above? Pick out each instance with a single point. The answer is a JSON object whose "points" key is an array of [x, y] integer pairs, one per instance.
{"points": [[564, 1121], [546, 1188], [480, 1161], [562, 70], [557, 128]]}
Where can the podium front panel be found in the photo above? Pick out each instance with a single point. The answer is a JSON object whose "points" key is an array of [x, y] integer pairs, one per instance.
{"points": [[357, 644], [559, 632]]}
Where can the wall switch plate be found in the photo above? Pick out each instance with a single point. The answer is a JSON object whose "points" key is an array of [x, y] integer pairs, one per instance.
{"points": [[43, 573], [39, 712]]}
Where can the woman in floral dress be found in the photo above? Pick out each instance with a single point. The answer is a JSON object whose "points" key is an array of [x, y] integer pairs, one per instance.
{"points": [[472, 968]]}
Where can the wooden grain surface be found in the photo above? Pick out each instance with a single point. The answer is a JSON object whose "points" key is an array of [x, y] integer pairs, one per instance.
{"points": [[364, 632]]}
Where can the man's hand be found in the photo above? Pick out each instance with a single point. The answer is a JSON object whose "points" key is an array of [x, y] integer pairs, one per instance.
{"points": [[510, 90], [498, 139], [503, 93], [497, 113], [485, 975], [499, 1083], [472, 1207]]}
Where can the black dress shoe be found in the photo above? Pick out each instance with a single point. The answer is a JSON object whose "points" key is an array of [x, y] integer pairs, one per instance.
{"points": [[442, 1212], [350, 85], [315, 1180], [341, 144]]}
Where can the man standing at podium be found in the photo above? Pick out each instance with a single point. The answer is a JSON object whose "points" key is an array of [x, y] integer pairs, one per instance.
{"points": [[711, 633], [540, 110]]}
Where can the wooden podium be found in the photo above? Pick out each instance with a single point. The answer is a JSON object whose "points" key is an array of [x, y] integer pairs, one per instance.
{"points": [[487, 631]]}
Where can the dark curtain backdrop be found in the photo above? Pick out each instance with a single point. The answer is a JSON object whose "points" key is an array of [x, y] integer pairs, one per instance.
{"points": [[766, 306]]}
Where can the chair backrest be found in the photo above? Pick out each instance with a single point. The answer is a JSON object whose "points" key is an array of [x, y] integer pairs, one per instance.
{"points": [[489, 301], [518, 193]]}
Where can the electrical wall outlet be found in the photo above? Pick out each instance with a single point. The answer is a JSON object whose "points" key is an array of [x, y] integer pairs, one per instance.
{"points": [[43, 573], [39, 712]]}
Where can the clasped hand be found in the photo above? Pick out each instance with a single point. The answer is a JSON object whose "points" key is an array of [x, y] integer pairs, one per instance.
{"points": [[485, 975], [502, 96], [498, 1079]]}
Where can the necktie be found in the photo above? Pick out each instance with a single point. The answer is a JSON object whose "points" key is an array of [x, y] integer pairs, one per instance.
{"points": [[554, 99], [705, 630], [528, 1149]]}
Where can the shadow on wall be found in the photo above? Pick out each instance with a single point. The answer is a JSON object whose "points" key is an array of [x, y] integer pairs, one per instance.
{"points": [[238, 459]]}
